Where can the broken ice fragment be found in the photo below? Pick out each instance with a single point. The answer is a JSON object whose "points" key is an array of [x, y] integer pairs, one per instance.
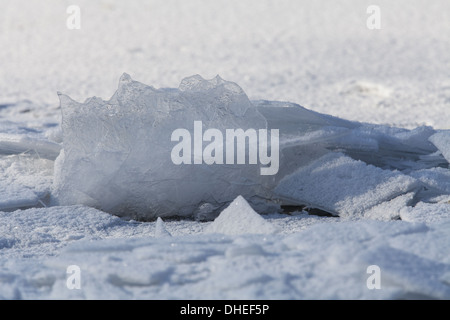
{"points": [[160, 229], [442, 141], [149, 153], [18, 143]]}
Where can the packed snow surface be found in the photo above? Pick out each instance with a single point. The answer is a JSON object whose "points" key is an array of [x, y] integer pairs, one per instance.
{"points": [[370, 149], [308, 258]]}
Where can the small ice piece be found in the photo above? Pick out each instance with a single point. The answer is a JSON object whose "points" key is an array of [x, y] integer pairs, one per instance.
{"points": [[25, 181], [389, 210], [160, 229], [13, 196], [441, 140], [436, 182], [239, 218], [426, 213]]}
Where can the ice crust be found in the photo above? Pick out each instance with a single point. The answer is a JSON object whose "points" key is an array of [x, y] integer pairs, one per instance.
{"points": [[117, 155]]}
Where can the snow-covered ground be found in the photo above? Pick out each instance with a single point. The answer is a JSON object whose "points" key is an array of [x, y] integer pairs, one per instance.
{"points": [[319, 54]]}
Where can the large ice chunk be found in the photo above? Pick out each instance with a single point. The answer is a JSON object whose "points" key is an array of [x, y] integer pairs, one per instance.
{"points": [[16, 196], [25, 181], [160, 229], [118, 154], [19, 143], [190, 151], [427, 213]]}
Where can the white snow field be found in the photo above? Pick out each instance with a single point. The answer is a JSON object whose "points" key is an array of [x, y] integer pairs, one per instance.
{"points": [[92, 208]]}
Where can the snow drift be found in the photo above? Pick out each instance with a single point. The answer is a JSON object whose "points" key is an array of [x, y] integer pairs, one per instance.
{"points": [[117, 154]]}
